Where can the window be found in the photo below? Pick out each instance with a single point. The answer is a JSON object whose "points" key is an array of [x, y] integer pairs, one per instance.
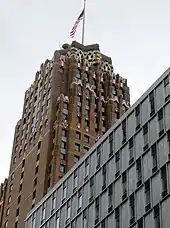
{"points": [[131, 150], [49, 168], [9, 199], [110, 197], [152, 103], [64, 116], [64, 133], [78, 120], [139, 171], [86, 76], [124, 131], [12, 176], [86, 139], [34, 194], [87, 113], [166, 81], [104, 176], [85, 149], [68, 209], [17, 139], [140, 223], [117, 218], [154, 157], [97, 208], [36, 170], [78, 73], [87, 123], [164, 180], [79, 100], [11, 187], [161, 122], [137, 114], [98, 156], [73, 224], [62, 156], [79, 89], [25, 147], [166, 87], [47, 225], [87, 103], [75, 178], [19, 199], [145, 135], [91, 187], [6, 224], [7, 212], [38, 157], [35, 98], [24, 121], [43, 212], [80, 199], [168, 139], [22, 175], [63, 145], [77, 146], [157, 217], [57, 220], [65, 105], [147, 195], [42, 110], [39, 145], [49, 91], [62, 168], [16, 224], [103, 224], [53, 204], [117, 114], [76, 159], [85, 219], [23, 163], [103, 104], [132, 208], [33, 220], [17, 212], [16, 149], [78, 135], [117, 161], [48, 103], [20, 152], [35, 181], [87, 167], [14, 160], [124, 183], [111, 142], [79, 110], [64, 190]]}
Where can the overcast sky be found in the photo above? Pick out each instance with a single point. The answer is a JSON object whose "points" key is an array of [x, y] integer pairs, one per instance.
{"points": [[136, 34]]}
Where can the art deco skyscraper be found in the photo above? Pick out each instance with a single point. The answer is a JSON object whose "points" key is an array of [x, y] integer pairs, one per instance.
{"points": [[74, 100]]}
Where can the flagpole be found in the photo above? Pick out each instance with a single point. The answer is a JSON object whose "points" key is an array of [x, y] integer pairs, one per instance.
{"points": [[84, 20]]}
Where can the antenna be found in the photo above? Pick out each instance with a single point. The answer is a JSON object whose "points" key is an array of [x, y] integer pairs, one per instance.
{"points": [[59, 44]]}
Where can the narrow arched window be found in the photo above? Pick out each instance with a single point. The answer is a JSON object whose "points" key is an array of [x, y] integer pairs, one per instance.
{"points": [[78, 73]]}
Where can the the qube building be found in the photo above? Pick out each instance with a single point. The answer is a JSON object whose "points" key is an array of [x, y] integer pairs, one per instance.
{"points": [[124, 179]]}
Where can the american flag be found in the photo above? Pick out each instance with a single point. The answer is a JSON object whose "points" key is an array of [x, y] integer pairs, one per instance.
{"points": [[73, 31]]}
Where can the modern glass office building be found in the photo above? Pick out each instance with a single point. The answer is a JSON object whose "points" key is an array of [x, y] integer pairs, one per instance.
{"points": [[124, 179]]}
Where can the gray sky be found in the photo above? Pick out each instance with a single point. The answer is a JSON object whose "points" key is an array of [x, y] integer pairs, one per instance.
{"points": [[135, 34]]}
